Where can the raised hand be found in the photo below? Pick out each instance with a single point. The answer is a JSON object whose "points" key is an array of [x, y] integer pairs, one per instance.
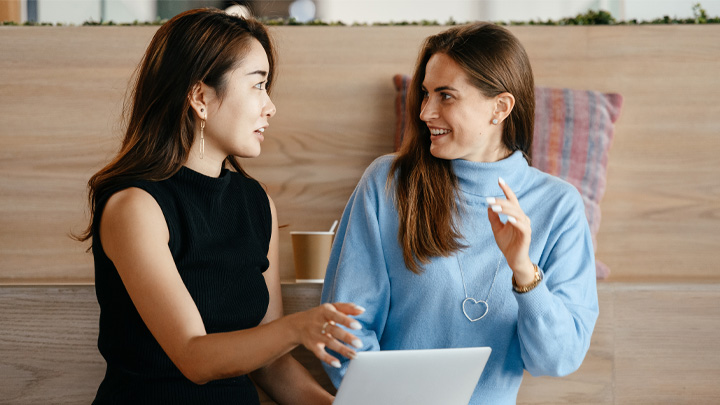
{"points": [[513, 236]]}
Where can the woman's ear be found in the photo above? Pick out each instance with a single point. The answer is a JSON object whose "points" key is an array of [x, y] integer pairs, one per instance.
{"points": [[504, 103], [198, 99]]}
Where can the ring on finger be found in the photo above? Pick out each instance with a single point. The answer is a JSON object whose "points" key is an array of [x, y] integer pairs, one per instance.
{"points": [[325, 325]]}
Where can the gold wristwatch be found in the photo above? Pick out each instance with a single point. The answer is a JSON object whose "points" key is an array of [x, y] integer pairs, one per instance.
{"points": [[525, 288]]}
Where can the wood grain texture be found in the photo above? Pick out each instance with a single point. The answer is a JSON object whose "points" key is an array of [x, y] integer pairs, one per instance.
{"points": [[671, 333], [48, 345], [48, 342], [653, 343], [61, 91]]}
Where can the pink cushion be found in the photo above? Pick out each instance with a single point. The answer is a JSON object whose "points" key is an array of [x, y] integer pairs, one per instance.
{"points": [[573, 133]]}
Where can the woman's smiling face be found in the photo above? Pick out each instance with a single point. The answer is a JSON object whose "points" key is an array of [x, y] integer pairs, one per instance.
{"points": [[458, 115]]}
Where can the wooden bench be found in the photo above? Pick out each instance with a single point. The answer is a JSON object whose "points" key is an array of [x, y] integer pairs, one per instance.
{"points": [[653, 343]]}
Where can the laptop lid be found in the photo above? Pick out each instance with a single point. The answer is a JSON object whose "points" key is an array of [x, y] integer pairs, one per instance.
{"points": [[418, 377]]}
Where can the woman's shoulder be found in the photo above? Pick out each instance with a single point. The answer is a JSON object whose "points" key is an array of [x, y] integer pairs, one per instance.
{"points": [[556, 189], [378, 170], [246, 181], [374, 179], [129, 199], [381, 164], [131, 207], [253, 191], [130, 192]]}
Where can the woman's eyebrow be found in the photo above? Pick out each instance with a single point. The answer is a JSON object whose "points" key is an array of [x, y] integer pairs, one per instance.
{"points": [[444, 88], [441, 88], [257, 72]]}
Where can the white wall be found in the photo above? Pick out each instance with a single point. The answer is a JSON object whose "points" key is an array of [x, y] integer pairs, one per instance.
{"points": [[68, 11], [78, 11], [130, 10], [652, 9], [526, 10], [368, 11]]}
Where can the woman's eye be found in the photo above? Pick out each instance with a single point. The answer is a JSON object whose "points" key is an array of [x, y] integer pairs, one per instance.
{"points": [[445, 96], [424, 93], [259, 86]]}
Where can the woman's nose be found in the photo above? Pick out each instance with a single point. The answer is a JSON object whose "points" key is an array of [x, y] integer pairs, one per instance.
{"points": [[428, 110], [269, 109]]}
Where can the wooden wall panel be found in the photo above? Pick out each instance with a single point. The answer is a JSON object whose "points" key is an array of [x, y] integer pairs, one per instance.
{"points": [[661, 210], [61, 90]]}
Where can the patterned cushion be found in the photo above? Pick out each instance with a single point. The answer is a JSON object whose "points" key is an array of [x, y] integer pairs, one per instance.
{"points": [[573, 133]]}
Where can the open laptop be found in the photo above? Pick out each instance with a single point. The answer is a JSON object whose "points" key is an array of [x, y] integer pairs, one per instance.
{"points": [[418, 377]]}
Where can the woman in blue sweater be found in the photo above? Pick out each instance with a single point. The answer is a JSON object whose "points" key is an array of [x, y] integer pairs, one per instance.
{"points": [[456, 241]]}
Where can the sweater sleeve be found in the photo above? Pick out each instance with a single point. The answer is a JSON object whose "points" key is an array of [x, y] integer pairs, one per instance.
{"points": [[357, 270], [556, 319]]}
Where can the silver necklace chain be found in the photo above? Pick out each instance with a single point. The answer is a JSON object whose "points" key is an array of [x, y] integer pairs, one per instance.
{"points": [[472, 300]]}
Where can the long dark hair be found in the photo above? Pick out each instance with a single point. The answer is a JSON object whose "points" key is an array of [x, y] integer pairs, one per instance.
{"points": [[426, 187], [195, 46]]}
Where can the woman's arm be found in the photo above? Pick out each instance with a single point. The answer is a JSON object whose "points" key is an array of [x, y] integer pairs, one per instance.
{"points": [[557, 316], [135, 237], [357, 270], [285, 379]]}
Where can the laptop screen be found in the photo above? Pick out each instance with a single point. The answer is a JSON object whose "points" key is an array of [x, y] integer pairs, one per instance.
{"points": [[431, 376]]}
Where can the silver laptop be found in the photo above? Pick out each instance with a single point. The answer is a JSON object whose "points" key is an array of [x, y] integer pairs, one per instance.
{"points": [[418, 377]]}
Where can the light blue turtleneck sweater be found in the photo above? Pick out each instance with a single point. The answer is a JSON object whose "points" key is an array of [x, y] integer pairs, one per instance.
{"points": [[545, 331]]}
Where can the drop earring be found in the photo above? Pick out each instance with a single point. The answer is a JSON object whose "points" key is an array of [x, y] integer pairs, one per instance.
{"points": [[202, 135]]}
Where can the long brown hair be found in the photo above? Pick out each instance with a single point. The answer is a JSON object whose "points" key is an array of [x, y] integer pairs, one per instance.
{"points": [[195, 46], [426, 187]]}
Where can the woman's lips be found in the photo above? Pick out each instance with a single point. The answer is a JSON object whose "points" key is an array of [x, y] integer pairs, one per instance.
{"points": [[437, 133], [259, 133]]}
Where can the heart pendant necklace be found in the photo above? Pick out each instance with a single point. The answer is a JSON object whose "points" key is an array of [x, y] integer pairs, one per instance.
{"points": [[470, 302]]}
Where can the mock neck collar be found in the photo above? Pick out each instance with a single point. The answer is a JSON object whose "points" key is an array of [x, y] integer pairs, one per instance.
{"points": [[202, 181], [481, 178]]}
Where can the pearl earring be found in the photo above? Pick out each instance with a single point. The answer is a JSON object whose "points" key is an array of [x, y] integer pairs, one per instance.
{"points": [[494, 121]]}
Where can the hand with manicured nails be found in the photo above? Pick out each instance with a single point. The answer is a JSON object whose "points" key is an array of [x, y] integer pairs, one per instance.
{"points": [[318, 328], [513, 236]]}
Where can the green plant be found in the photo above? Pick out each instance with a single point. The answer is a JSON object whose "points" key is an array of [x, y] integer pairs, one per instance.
{"points": [[591, 17]]}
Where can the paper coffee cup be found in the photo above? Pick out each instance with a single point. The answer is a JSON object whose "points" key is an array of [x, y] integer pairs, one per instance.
{"points": [[311, 253]]}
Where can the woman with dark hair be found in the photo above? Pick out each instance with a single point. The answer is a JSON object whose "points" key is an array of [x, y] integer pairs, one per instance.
{"points": [[185, 243], [436, 242]]}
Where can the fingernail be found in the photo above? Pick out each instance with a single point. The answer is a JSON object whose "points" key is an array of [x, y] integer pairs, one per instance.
{"points": [[512, 220], [359, 308], [336, 364], [496, 208], [355, 325], [501, 181], [357, 343], [490, 200], [351, 356]]}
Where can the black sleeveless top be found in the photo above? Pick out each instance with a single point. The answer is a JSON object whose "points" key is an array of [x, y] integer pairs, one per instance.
{"points": [[220, 232]]}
